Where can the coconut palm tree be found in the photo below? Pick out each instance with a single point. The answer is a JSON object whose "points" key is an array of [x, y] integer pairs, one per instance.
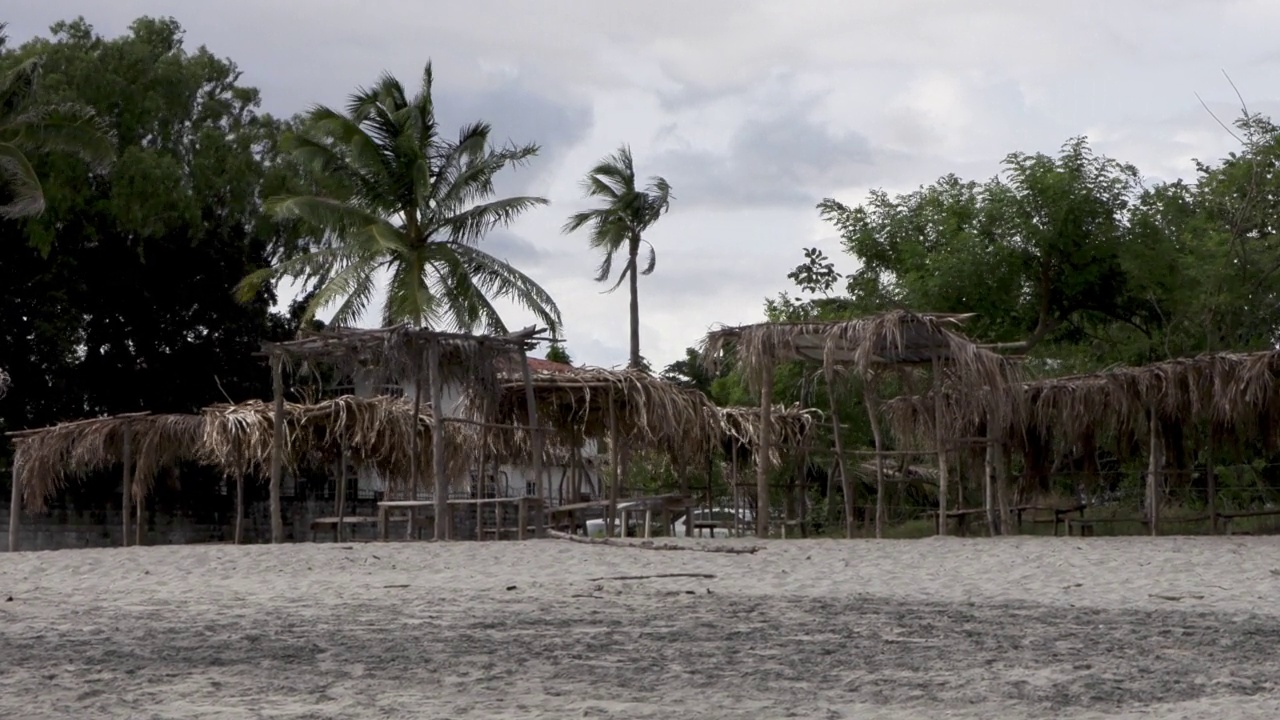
{"points": [[394, 199], [619, 224], [27, 126]]}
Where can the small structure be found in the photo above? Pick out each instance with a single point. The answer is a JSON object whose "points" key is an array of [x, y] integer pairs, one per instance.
{"points": [[791, 437], [45, 459], [1231, 395], [861, 348], [428, 359]]}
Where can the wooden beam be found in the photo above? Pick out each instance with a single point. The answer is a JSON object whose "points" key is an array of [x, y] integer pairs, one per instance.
{"points": [[15, 509], [126, 503], [277, 449], [439, 473], [531, 403], [940, 443], [762, 453], [873, 415]]}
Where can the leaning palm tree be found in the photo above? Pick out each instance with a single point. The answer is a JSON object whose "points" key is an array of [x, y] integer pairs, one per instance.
{"points": [[395, 200], [619, 224], [28, 125]]}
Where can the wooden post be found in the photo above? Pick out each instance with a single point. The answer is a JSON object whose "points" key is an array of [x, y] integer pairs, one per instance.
{"points": [[138, 525], [126, 503], [1008, 526], [15, 507], [762, 452], [846, 485], [522, 517], [415, 453], [988, 488], [1211, 477], [437, 442], [939, 442], [277, 448], [873, 414], [239, 533], [341, 500], [531, 403], [1155, 458], [611, 517], [480, 484]]}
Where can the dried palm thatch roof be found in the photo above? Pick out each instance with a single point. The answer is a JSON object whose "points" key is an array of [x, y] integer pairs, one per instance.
{"points": [[894, 338], [47, 458], [378, 432], [396, 353], [1239, 391], [574, 406], [790, 427]]}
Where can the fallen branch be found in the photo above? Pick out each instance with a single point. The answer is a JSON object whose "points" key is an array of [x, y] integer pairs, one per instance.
{"points": [[1176, 598], [706, 576], [650, 545]]}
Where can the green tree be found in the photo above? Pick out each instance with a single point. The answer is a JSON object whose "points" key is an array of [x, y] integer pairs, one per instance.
{"points": [[118, 297], [396, 198], [619, 225], [558, 353], [28, 125]]}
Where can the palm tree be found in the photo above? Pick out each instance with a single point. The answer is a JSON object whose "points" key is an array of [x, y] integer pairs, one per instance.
{"points": [[395, 198], [27, 126], [620, 223]]}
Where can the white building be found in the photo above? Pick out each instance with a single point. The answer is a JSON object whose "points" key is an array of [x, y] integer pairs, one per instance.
{"points": [[510, 480]]}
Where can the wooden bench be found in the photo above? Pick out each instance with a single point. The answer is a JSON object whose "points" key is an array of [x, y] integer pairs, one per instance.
{"points": [[322, 522], [1086, 526], [385, 518], [712, 525]]}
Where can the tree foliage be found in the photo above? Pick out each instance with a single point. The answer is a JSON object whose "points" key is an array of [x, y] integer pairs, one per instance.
{"points": [[394, 197]]}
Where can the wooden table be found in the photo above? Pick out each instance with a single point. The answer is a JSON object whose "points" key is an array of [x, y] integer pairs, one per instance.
{"points": [[384, 514], [341, 522]]}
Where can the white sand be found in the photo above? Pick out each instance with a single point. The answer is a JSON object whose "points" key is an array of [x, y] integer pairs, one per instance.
{"points": [[1005, 628]]}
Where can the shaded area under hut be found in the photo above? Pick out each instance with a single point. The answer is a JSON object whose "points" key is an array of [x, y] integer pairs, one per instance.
{"points": [[428, 360], [791, 437], [582, 409], [1218, 399], [861, 349]]}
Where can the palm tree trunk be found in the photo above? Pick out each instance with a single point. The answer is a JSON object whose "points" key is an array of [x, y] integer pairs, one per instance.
{"points": [[632, 268]]}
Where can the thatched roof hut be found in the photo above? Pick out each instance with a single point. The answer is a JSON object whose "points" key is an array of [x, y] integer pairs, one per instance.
{"points": [[46, 459], [376, 432], [895, 338], [1238, 392]]}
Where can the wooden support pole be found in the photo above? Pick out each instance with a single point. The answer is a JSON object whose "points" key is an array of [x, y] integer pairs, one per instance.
{"points": [[940, 444], [341, 500], [438, 451], [763, 451], [239, 532], [15, 508], [1155, 458], [1211, 478], [277, 448], [138, 526], [846, 484], [530, 401], [126, 483], [615, 450], [988, 485], [415, 454], [873, 415], [1008, 526], [479, 488]]}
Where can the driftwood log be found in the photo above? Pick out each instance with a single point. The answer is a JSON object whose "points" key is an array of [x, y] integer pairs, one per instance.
{"points": [[650, 545]]}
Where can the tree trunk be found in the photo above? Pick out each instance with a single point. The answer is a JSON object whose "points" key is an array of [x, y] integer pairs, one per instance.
{"points": [[634, 280], [277, 448]]}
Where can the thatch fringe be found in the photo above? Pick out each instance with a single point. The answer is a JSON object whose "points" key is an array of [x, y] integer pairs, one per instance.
{"points": [[238, 440], [573, 407], [895, 338], [1235, 392], [789, 430], [46, 460]]}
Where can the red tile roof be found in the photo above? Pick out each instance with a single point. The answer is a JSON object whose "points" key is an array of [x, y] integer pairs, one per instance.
{"points": [[539, 365]]}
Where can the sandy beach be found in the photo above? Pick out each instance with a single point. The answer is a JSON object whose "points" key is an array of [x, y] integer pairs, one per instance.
{"points": [[1004, 628]]}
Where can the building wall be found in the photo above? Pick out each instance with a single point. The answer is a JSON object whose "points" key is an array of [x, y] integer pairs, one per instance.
{"points": [[511, 481]]}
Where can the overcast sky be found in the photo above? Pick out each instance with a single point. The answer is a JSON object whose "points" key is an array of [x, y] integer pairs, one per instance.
{"points": [[753, 110]]}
